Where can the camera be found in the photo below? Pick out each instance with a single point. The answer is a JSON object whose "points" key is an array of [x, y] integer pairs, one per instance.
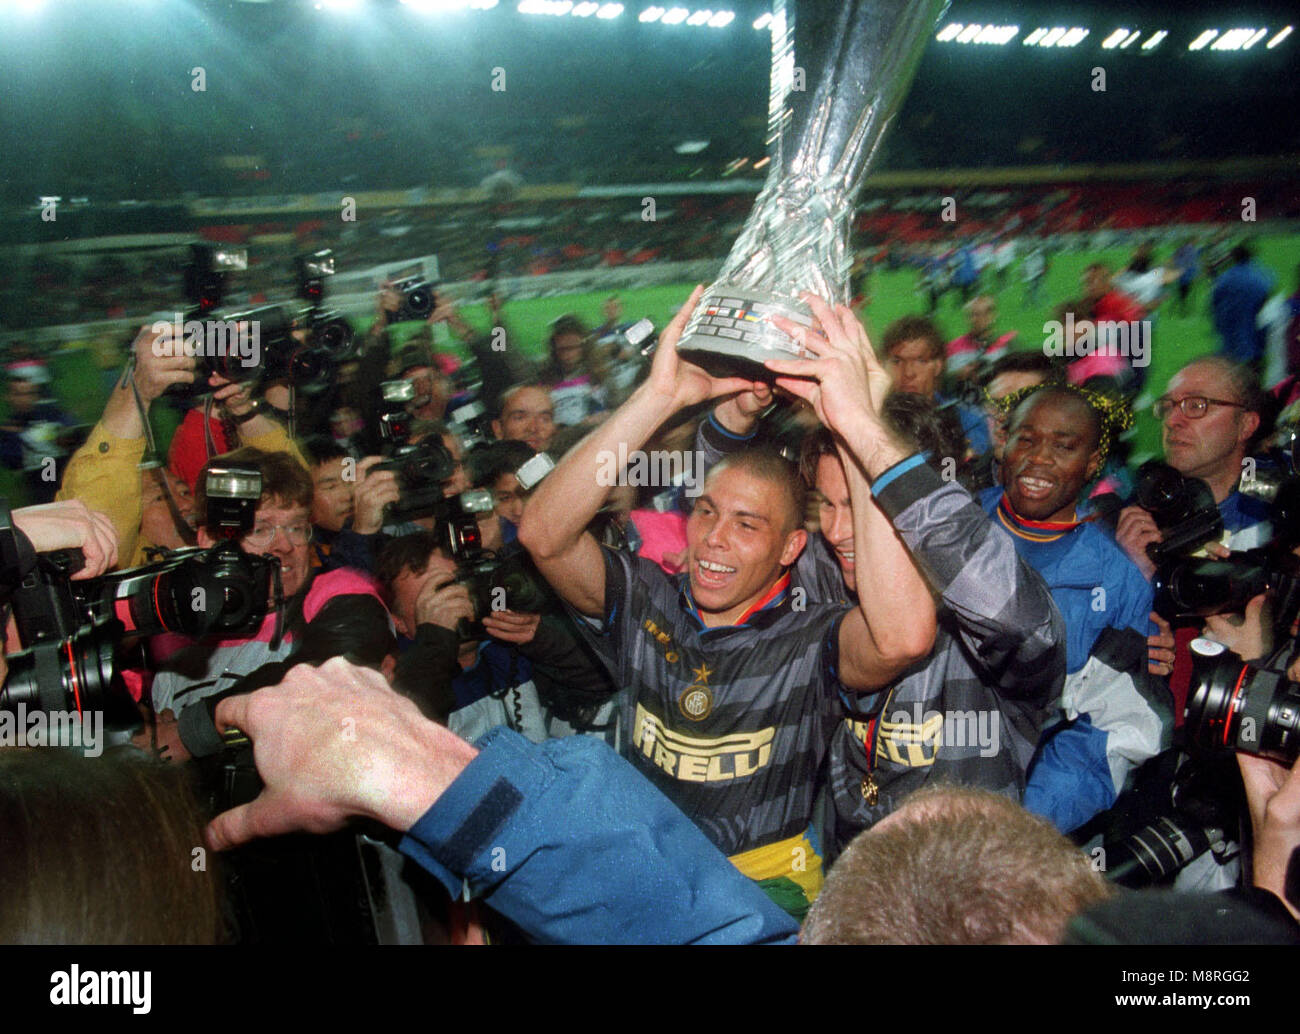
{"points": [[421, 467], [1196, 817], [70, 630], [419, 298], [1183, 509], [1190, 587], [495, 581], [1200, 586], [271, 341], [1238, 706]]}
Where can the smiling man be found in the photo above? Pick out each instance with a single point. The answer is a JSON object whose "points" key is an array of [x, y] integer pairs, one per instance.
{"points": [[733, 678], [1112, 716], [527, 415]]}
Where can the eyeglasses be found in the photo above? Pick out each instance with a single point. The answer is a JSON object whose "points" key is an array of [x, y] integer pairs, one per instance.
{"points": [[263, 534], [1193, 406]]}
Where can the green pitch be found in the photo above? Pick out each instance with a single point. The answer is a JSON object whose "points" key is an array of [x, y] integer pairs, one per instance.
{"points": [[1175, 339], [82, 387]]}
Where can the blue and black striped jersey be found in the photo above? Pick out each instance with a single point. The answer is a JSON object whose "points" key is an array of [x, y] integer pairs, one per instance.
{"points": [[731, 723]]}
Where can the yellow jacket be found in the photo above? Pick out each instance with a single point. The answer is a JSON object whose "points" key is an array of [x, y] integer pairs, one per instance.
{"points": [[105, 475]]}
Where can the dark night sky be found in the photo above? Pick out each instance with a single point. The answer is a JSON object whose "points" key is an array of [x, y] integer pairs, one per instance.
{"points": [[100, 103]]}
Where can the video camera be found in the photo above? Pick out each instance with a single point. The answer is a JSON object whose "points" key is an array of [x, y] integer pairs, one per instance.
{"points": [[70, 630], [1183, 509]]}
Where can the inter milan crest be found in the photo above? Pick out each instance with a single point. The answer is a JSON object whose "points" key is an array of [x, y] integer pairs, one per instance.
{"points": [[696, 702]]}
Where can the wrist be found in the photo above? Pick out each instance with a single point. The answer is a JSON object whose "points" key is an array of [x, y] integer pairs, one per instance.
{"points": [[425, 759], [646, 399], [874, 447]]}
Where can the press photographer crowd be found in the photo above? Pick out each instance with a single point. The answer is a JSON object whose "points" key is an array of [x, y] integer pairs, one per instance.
{"points": [[884, 642]]}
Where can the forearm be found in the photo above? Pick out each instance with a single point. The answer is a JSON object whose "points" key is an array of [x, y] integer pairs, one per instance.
{"points": [[892, 593], [565, 502], [122, 417], [573, 844]]}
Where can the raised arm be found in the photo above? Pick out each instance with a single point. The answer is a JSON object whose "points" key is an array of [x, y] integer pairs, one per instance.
{"points": [[893, 625], [105, 472], [553, 529]]}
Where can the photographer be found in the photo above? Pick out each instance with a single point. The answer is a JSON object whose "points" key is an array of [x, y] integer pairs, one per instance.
{"points": [[377, 491], [333, 478], [105, 472], [326, 613], [445, 672], [1210, 415], [492, 467], [236, 419]]}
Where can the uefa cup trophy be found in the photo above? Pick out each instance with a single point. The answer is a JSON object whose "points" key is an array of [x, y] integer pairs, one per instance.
{"points": [[820, 141]]}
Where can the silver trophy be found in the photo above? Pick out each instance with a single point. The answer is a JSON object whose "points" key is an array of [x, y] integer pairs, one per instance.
{"points": [[820, 142]]}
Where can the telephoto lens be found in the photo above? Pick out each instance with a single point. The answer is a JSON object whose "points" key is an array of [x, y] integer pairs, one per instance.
{"points": [[1238, 706]]}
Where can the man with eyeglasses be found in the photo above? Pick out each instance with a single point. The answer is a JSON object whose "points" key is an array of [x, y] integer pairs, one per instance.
{"points": [[1209, 416], [326, 613]]}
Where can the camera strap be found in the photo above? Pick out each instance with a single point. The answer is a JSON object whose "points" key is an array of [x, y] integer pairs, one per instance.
{"points": [[150, 444], [186, 534], [151, 460]]}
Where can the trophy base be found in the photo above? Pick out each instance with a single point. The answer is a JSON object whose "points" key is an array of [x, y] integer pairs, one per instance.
{"points": [[719, 364], [730, 334]]}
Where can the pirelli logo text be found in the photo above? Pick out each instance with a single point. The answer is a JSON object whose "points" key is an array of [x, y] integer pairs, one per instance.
{"points": [[698, 760]]}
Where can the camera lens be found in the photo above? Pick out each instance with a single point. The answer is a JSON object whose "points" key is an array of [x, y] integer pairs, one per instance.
{"points": [[419, 302], [1160, 490], [1237, 706], [334, 337], [85, 668], [1156, 852]]}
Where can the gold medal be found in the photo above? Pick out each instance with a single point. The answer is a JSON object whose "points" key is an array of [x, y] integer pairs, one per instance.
{"points": [[870, 792]]}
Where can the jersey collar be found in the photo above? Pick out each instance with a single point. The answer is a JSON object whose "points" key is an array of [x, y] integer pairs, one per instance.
{"points": [[770, 600], [1034, 531]]}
